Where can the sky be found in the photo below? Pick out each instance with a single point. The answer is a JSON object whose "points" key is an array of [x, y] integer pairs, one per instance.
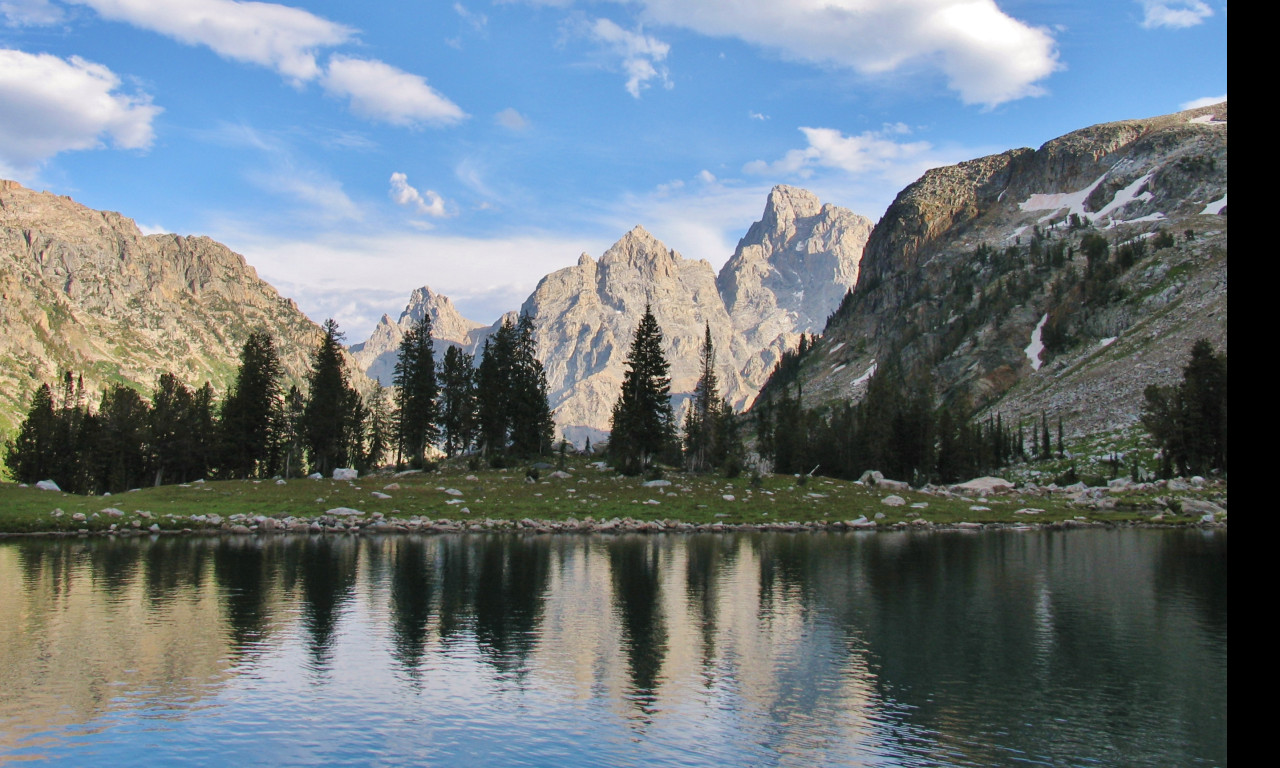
{"points": [[355, 151]]}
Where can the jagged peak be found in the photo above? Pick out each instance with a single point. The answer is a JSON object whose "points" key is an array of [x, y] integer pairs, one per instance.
{"points": [[788, 203], [585, 259], [637, 243]]}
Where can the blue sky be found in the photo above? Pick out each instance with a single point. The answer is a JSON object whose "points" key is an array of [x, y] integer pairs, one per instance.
{"points": [[355, 151]]}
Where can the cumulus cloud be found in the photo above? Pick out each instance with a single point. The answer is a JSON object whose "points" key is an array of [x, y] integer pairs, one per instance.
{"points": [[870, 152], [511, 120], [430, 204], [280, 37], [381, 92], [1204, 101], [1176, 14], [987, 56], [50, 105], [641, 54]]}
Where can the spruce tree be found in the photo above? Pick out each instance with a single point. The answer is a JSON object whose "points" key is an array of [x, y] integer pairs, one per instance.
{"points": [[642, 426], [457, 401], [30, 455], [703, 420], [416, 393], [493, 391], [380, 427], [327, 412], [251, 412], [532, 428]]}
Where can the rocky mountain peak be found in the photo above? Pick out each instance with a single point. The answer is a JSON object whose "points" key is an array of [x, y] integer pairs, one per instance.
{"points": [[787, 204]]}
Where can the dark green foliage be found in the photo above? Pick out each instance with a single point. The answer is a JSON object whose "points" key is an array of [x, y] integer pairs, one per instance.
{"points": [[641, 428], [1189, 420], [513, 414], [457, 401], [532, 428], [417, 411], [251, 414], [327, 414], [381, 427], [31, 456], [119, 455], [1163, 239], [705, 446]]}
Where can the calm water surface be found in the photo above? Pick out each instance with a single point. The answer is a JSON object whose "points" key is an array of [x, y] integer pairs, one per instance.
{"points": [[1092, 648]]}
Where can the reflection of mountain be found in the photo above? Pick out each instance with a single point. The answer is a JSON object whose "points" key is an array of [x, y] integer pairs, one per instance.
{"points": [[886, 648]]}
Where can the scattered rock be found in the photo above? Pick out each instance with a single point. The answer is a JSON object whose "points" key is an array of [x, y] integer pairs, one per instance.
{"points": [[453, 491], [379, 495], [893, 501], [396, 486], [1028, 511], [315, 476], [48, 485], [981, 485], [345, 473], [343, 512], [656, 484], [113, 512]]}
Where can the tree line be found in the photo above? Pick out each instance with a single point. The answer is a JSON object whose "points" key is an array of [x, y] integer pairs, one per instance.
{"points": [[260, 429]]}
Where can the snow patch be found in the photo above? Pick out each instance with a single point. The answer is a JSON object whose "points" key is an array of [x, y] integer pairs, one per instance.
{"points": [[1207, 120], [1107, 341], [871, 371], [1072, 201], [1036, 346], [838, 368], [837, 347], [1215, 208], [1125, 196]]}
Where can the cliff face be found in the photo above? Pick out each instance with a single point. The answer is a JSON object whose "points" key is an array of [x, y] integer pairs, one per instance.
{"points": [[86, 291], [788, 273], [975, 266]]}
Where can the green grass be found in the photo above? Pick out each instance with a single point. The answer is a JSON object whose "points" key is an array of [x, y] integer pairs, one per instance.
{"points": [[504, 495]]}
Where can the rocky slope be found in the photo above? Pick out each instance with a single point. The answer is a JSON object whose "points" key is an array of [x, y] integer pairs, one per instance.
{"points": [[86, 291], [788, 273], [975, 267], [376, 356]]}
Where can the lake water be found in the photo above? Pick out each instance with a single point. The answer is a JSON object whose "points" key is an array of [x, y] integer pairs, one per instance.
{"points": [[1084, 647]]}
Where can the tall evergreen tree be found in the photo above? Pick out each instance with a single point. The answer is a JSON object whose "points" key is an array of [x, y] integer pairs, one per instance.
{"points": [[1189, 420], [417, 412], [457, 401], [379, 427], [493, 390], [702, 421], [120, 453], [642, 427], [30, 455], [251, 412], [328, 410], [532, 428], [173, 431]]}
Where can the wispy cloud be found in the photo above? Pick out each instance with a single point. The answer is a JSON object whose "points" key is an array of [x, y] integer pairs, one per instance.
{"points": [[1204, 101], [30, 13], [1174, 14], [50, 105], [428, 204], [870, 152], [641, 55], [512, 120], [382, 92]]}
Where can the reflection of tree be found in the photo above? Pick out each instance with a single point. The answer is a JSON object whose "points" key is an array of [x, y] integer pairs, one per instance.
{"points": [[785, 560], [173, 565], [510, 581], [706, 556], [52, 561], [634, 563], [241, 569], [1194, 564], [114, 563], [328, 571], [411, 585]]}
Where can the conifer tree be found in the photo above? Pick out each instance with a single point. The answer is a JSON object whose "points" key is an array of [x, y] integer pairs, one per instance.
{"points": [[250, 414], [532, 428], [380, 427], [457, 401], [703, 420], [416, 393], [493, 390], [30, 455], [327, 413], [642, 426]]}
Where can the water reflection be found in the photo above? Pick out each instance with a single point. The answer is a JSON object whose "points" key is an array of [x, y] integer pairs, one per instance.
{"points": [[914, 649]]}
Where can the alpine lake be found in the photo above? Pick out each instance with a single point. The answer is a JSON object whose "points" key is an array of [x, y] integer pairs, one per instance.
{"points": [[1088, 647]]}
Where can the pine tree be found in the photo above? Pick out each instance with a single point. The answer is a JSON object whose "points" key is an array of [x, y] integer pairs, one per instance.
{"points": [[416, 393], [532, 428], [703, 420], [30, 455], [457, 401], [251, 412], [642, 426], [380, 427], [173, 431], [327, 413], [493, 390]]}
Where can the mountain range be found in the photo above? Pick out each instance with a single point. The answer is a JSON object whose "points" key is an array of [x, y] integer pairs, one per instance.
{"points": [[987, 274]]}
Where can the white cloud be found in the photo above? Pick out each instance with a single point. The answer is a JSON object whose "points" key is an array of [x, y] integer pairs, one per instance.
{"points": [[1204, 101], [50, 105], [283, 38], [478, 21], [867, 153], [381, 92], [511, 120], [1176, 14], [323, 198], [641, 54], [757, 116], [987, 56], [706, 177], [30, 13], [430, 204]]}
